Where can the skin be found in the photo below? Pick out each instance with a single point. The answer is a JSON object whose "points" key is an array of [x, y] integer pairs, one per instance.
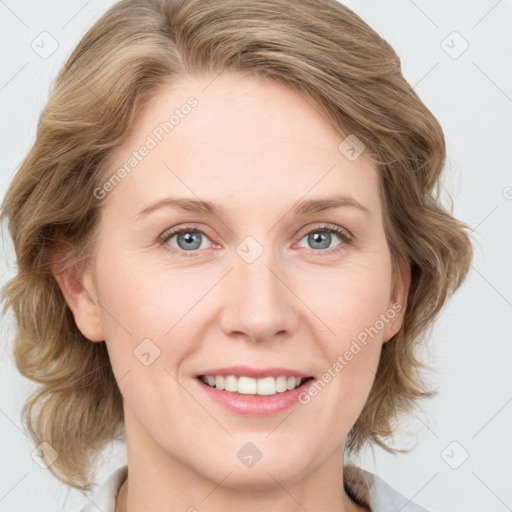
{"points": [[256, 148]]}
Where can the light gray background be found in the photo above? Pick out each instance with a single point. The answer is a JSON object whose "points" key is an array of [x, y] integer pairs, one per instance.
{"points": [[471, 345]]}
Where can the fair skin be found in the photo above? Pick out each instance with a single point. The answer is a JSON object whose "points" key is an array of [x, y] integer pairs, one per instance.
{"points": [[256, 149]]}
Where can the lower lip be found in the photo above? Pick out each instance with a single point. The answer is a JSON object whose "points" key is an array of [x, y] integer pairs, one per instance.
{"points": [[255, 405]]}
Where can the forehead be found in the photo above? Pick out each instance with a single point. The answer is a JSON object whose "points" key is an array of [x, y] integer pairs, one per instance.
{"points": [[234, 136]]}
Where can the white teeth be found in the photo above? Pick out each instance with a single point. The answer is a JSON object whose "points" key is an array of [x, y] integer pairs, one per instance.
{"points": [[281, 384], [267, 386], [246, 385], [230, 383], [219, 382], [250, 386]]}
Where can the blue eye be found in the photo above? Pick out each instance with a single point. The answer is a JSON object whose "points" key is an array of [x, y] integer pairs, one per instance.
{"points": [[188, 239], [321, 236], [191, 239]]}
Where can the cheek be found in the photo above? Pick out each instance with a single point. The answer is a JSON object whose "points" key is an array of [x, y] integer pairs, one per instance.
{"points": [[141, 298], [353, 304], [143, 302], [350, 358], [348, 299]]}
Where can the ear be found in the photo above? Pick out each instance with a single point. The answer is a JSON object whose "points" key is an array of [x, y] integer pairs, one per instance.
{"points": [[398, 300], [76, 284]]}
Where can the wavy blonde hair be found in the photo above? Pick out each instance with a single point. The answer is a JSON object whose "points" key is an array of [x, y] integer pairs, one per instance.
{"points": [[318, 48]]}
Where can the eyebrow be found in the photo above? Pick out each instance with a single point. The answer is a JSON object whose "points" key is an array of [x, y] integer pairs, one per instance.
{"points": [[304, 207]]}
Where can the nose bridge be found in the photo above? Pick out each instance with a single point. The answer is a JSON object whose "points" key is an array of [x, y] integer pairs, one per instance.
{"points": [[258, 303]]}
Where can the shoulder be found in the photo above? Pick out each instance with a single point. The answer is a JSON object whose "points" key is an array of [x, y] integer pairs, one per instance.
{"points": [[374, 492], [104, 497]]}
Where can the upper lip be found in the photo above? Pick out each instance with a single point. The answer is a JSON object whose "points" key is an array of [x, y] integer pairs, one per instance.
{"points": [[257, 373]]}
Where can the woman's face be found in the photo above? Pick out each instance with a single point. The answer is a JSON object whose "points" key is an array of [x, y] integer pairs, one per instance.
{"points": [[258, 285]]}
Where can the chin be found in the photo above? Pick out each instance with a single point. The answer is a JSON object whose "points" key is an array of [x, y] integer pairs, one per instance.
{"points": [[259, 474]]}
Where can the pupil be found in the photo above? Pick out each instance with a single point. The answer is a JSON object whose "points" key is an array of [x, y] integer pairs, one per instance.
{"points": [[324, 239], [190, 239]]}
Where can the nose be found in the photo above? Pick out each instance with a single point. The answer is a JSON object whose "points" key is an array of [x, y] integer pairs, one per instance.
{"points": [[258, 300]]}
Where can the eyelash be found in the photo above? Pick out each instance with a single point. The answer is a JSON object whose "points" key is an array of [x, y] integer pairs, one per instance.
{"points": [[330, 228]]}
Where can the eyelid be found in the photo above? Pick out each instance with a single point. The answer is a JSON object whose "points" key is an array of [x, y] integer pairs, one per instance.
{"points": [[326, 226]]}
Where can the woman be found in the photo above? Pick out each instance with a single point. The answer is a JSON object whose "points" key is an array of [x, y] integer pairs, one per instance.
{"points": [[170, 290]]}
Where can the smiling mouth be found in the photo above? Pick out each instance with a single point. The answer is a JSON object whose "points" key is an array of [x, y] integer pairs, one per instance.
{"points": [[243, 385]]}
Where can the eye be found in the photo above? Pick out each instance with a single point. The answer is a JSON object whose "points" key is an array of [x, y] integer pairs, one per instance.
{"points": [[320, 237], [191, 239], [188, 239]]}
